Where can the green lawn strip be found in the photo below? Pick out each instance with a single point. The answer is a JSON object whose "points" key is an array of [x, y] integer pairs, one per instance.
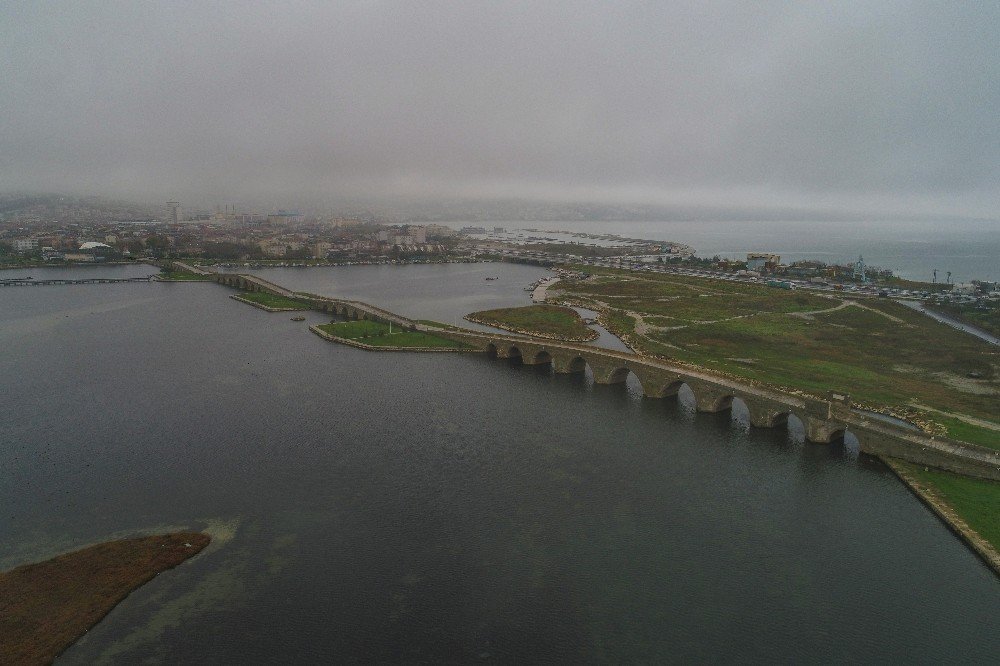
{"points": [[376, 334], [273, 301], [545, 320], [183, 276], [977, 501], [968, 432]]}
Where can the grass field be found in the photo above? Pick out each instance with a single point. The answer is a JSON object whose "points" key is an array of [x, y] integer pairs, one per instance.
{"points": [[880, 352], [183, 276], [976, 500], [552, 321], [272, 301], [46, 606], [377, 334]]}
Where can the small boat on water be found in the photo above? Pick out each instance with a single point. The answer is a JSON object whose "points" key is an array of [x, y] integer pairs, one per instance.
{"points": [[495, 277], [298, 318]]}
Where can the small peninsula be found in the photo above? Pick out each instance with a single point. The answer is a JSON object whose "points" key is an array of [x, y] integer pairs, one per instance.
{"points": [[46, 606], [554, 322]]}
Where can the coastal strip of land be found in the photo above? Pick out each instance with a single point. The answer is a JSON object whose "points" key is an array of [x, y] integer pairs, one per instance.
{"points": [[933, 495], [378, 336], [46, 606], [270, 302]]}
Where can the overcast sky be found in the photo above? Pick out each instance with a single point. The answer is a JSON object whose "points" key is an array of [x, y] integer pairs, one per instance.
{"points": [[871, 107]]}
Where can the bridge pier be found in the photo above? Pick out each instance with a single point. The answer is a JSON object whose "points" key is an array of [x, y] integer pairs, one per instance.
{"points": [[821, 431], [767, 418], [568, 364], [507, 351], [531, 357], [609, 374], [662, 388], [712, 401]]}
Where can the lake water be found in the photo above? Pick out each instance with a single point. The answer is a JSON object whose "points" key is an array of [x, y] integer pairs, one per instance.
{"points": [[446, 507], [440, 292]]}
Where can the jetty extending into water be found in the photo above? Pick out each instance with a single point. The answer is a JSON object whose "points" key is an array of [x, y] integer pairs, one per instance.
{"points": [[826, 419]]}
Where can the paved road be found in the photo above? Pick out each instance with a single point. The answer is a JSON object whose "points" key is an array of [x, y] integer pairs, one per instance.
{"points": [[954, 323]]}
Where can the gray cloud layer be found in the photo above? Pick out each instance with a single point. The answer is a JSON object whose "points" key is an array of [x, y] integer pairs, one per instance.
{"points": [[885, 107]]}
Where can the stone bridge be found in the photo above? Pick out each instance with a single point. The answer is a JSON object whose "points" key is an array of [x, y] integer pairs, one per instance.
{"points": [[825, 420], [337, 306]]}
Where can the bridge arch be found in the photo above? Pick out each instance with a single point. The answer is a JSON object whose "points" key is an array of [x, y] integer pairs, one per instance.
{"points": [[739, 412], [826, 434], [540, 357], [848, 445], [767, 417], [617, 376], [569, 363], [506, 350], [712, 401], [709, 397], [658, 387]]}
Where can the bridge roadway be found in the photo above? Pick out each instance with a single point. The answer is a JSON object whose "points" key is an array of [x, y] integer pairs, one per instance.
{"points": [[825, 419], [43, 283], [338, 306]]}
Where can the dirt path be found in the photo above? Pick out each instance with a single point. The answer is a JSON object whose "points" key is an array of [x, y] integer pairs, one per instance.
{"points": [[884, 314], [809, 315], [971, 420]]}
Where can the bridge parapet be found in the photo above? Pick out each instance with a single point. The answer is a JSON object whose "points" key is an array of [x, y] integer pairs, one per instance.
{"points": [[960, 457]]}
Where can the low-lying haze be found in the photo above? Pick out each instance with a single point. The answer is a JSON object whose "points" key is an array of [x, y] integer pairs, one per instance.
{"points": [[885, 108]]}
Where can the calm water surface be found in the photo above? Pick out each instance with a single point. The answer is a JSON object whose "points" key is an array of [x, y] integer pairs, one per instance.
{"points": [[407, 507], [970, 249], [441, 292]]}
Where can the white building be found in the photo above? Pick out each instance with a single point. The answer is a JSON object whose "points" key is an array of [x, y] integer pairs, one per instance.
{"points": [[963, 288], [173, 212]]}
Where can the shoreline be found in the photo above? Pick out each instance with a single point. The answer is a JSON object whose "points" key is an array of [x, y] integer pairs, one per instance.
{"points": [[361, 345], [946, 514]]}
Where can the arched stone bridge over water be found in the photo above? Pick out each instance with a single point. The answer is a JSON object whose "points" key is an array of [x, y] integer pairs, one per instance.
{"points": [[825, 420]]}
